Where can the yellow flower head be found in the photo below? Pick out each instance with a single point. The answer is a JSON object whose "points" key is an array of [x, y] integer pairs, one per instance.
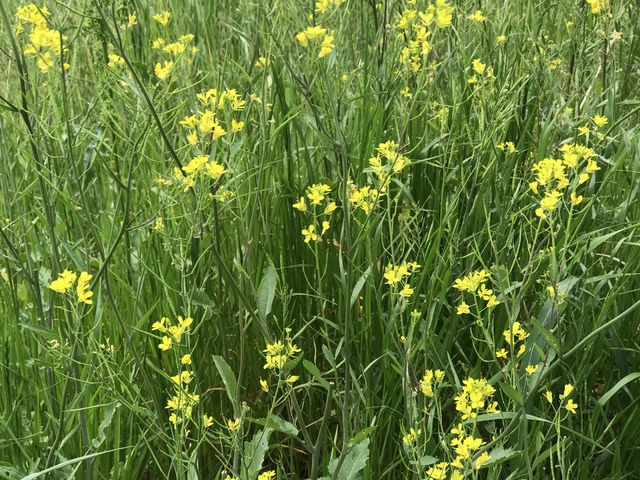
{"points": [[84, 295], [64, 282], [162, 18]]}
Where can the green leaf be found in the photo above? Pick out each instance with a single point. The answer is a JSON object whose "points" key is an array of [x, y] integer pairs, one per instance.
{"points": [[313, 370], [550, 338], [267, 291], [607, 396], [67, 463], [361, 435], [106, 421], [358, 286], [355, 461], [254, 453], [198, 297], [228, 377], [511, 392], [277, 423], [427, 460], [501, 454]]}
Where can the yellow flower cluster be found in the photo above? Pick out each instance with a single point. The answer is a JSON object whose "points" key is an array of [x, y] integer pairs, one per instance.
{"points": [[396, 274], [599, 121], [465, 445], [206, 122], [477, 16], [45, 43], [430, 382], [411, 437], [173, 332], [175, 48], [163, 70], [115, 61], [317, 195], [598, 6], [66, 280], [553, 176], [394, 163], [316, 33], [570, 405], [278, 354], [182, 402], [364, 198], [509, 147], [475, 396], [413, 27], [481, 69], [475, 283], [322, 6], [514, 334], [199, 166]]}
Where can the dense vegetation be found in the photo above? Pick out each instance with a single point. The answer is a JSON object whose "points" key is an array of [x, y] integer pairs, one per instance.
{"points": [[344, 239]]}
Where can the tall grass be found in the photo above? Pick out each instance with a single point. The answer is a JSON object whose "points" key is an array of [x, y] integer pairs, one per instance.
{"points": [[88, 185]]}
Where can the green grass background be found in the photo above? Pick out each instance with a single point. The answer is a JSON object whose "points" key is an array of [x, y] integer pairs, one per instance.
{"points": [[79, 164]]}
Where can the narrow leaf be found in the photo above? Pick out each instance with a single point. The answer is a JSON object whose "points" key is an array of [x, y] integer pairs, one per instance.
{"points": [[227, 375]]}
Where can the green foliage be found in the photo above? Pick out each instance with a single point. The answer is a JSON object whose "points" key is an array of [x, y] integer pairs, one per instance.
{"points": [[331, 239]]}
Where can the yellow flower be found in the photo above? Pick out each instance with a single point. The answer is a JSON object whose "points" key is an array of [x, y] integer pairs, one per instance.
{"points": [[438, 472], [484, 293], [236, 126], [264, 385], [300, 205], [406, 291], [325, 227], [326, 47], [411, 437], [478, 66], [64, 282], [482, 459], [502, 353], [292, 379], [233, 425], [267, 475], [165, 344], [309, 234], [162, 18], [501, 39], [583, 130], [549, 396], [571, 406], [329, 209], [193, 138], [477, 16], [592, 167], [160, 325], [84, 294], [186, 359], [598, 6], [463, 308], [163, 72], [492, 301], [132, 20], [443, 13], [568, 388], [115, 61], [521, 350], [173, 418], [531, 369], [207, 421], [600, 121], [575, 200]]}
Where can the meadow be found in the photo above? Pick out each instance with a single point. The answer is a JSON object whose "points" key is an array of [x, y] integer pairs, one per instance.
{"points": [[319, 239]]}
